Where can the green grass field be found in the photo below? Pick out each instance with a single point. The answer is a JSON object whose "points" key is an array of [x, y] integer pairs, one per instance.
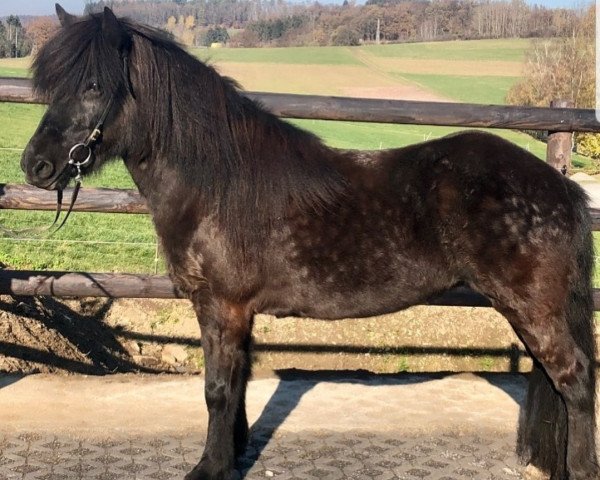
{"points": [[512, 50], [468, 71], [279, 56], [112, 242], [14, 67], [487, 89]]}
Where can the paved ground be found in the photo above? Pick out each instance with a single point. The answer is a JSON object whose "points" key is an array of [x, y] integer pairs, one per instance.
{"points": [[305, 426]]}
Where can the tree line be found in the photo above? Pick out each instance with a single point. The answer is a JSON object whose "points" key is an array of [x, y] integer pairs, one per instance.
{"points": [[276, 22], [14, 41], [563, 68], [20, 37]]}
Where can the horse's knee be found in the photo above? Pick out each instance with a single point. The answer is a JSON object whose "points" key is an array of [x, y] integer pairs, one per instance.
{"points": [[215, 393]]}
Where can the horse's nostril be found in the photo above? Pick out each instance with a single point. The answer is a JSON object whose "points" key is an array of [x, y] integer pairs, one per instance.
{"points": [[43, 169]]}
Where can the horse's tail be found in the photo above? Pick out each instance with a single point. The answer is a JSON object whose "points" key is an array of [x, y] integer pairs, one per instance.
{"points": [[542, 439]]}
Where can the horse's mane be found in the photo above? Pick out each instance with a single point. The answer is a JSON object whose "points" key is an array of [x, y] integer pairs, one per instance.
{"points": [[247, 162]]}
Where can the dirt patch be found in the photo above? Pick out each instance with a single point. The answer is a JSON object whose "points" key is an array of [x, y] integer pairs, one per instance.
{"points": [[93, 336], [341, 80], [100, 336]]}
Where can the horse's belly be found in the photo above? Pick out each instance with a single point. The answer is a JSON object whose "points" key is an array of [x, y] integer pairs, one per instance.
{"points": [[356, 298], [353, 263]]}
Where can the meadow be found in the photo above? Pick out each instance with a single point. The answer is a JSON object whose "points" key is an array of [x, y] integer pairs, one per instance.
{"points": [[474, 71]]}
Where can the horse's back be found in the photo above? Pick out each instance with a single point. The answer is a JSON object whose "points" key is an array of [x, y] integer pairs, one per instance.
{"points": [[473, 173], [508, 223], [416, 220]]}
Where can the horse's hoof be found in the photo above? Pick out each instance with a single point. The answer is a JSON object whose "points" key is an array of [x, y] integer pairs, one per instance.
{"points": [[532, 472], [201, 472]]}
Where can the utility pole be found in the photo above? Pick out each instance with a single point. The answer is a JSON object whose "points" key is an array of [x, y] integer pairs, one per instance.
{"points": [[378, 34]]}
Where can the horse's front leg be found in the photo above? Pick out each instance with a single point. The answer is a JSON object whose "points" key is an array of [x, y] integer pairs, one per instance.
{"points": [[226, 331]]}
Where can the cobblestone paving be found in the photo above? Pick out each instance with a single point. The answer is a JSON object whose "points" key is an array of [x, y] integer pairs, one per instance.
{"points": [[306, 427], [289, 456]]}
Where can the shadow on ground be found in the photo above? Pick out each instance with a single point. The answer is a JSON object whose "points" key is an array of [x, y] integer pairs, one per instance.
{"points": [[285, 399], [53, 336]]}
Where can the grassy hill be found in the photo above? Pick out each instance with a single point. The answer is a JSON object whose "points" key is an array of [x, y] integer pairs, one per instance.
{"points": [[14, 67], [478, 71]]}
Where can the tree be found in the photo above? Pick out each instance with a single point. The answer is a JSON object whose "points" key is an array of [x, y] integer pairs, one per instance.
{"points": [[216, 35], [190, 22], [560, 68], [13, 24], [18, 43], [40, 30], [563, 68], [345, 36], [4, 43], [246, 38]]}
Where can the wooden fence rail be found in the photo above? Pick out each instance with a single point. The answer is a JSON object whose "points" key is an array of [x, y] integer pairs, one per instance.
{"points": [[389, 111], [103, 200], [84, 284], [122, 285], [100, 200]]}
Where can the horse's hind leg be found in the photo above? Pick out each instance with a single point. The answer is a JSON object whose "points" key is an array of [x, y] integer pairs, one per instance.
{"points": [[560, 450], [226, 332], [543, 287]]}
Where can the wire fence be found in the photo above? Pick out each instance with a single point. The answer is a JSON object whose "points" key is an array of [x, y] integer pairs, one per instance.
{"points": [[29, 251]]}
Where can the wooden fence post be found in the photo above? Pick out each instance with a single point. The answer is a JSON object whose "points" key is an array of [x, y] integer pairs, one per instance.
{"points": [[560, 143]]}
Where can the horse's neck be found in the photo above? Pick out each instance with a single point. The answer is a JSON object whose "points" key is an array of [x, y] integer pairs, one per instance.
{"points": [[160, 187], [276, 167]]}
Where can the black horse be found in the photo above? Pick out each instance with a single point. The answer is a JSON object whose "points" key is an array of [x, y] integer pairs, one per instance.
{"points": [[256, 215]]}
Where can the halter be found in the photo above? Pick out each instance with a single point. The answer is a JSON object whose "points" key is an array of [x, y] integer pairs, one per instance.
{"points": [[74, 166], [75, 173]]}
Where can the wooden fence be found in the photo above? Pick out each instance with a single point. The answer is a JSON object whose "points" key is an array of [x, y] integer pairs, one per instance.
{"points": [[560, 122]]}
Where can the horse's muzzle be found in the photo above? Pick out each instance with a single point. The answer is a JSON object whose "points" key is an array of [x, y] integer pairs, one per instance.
{"points": [[38, 170]]}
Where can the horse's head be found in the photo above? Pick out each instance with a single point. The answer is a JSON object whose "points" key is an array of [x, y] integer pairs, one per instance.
{"points": [[83, 74]]}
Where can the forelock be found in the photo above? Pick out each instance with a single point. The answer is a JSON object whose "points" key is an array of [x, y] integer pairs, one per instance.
{"points": [[73, 57]]}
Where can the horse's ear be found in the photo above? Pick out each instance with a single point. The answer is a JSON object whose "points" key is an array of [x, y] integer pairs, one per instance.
{"points": [[65, 18], [114, 32]]}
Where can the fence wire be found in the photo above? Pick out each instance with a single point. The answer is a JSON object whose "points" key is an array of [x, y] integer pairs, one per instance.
{"points": [[155, 246]]}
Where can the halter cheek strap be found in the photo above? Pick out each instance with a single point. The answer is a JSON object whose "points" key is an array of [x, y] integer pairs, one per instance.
{"points": [[75, 166], [89, 142]]}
